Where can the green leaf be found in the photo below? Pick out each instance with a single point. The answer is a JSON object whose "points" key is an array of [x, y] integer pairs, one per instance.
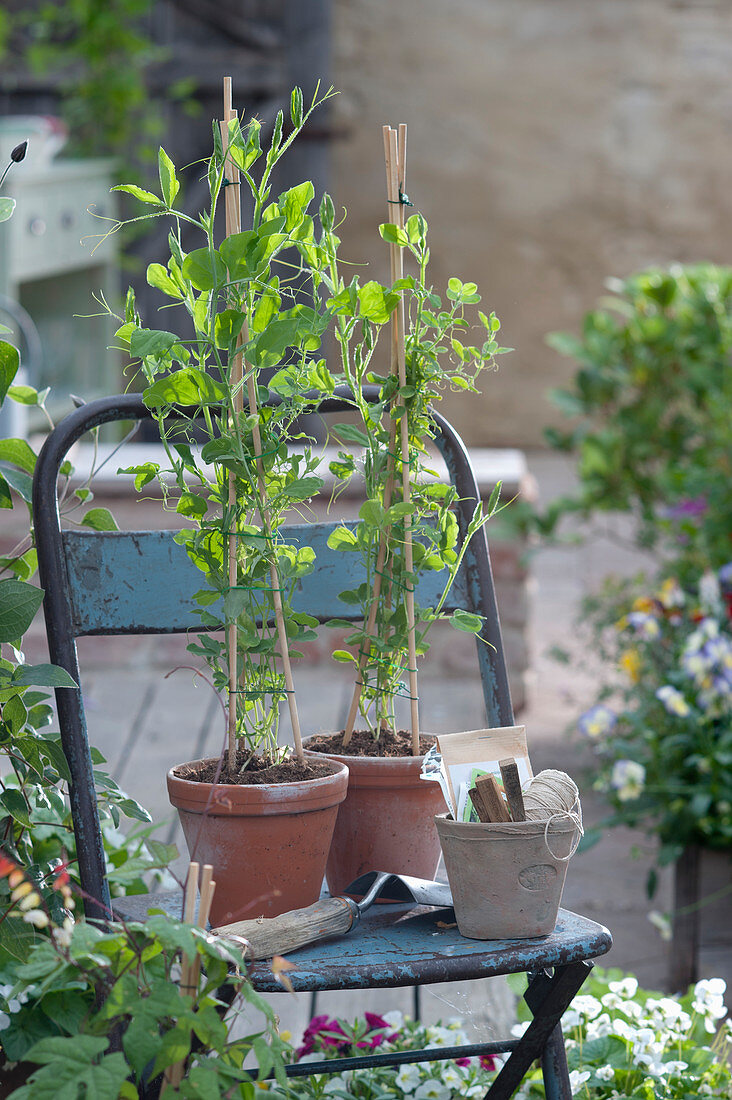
{"points": [[43, 676], [100, 519], [342, 538], [270, 345], [393, 234], [187, 386], [19, 603], [9, 363], [191, 504], [304, 488], [16, 806], [377, 303], [343, 655], [372, 513], [18, 480], [7, 206], [138, 193], [158, 277], [169, 184], [150, 341], [467, 621], [16, 938], [227, 326], [294, 203], [349, 433], [399, 511], [19, 453], [144, 473], [24, 395], [235, 601], [241, 254], [205, 269], [72, 1063]]}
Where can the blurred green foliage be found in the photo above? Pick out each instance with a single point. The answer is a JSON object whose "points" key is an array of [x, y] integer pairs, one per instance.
{"points": [[97, 53], [652, 433]]}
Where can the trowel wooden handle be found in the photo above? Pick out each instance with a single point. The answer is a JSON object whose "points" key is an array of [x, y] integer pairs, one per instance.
{"points": [[270, 936]]}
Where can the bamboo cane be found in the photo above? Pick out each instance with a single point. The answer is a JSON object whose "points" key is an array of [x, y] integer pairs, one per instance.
{"points": [[174, 1074], [231, 193], [398, 149], [190, 971], [388, 487], [233, 225]]}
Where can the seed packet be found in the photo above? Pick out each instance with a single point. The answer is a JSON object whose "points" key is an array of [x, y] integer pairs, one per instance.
{"points": [[467, 756]]}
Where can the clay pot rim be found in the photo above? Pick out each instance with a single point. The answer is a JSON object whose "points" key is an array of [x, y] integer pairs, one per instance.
{"points": [[346, 758], [259, 798], [322, 779]]}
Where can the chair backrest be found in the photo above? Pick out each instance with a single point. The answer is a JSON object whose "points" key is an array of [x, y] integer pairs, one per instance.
{"points": [[141, 582]]}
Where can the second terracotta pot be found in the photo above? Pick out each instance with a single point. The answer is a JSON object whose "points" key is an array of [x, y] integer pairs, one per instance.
{"points": [[268, 843], [386, 822]]}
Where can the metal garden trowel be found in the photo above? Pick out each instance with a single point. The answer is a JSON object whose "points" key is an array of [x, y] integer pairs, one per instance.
{"points": [[332, 916]]}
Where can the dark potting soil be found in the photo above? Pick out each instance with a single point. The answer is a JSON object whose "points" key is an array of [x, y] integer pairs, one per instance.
{"points": [[259, 770], [363, 743]]}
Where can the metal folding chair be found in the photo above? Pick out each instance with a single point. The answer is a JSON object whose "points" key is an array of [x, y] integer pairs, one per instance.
{"points": [[142, 583]]}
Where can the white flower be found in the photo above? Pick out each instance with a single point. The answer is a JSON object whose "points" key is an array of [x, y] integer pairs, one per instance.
{"points": [[432, 1090], [673, 701], [587, 1006], [408, 1076], [710, 988], [395, 1018], [626, 987], [453, 1076], [577, 1079], [4, 1021], [517, 1030], [444, 1037], [335, 1084], [605, 1073], [623, 1030], [676, 1067], [628, 779], [709, 1002], [599, 1027]]}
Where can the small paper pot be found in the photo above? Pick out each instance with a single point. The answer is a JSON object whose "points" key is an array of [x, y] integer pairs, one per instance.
{"points": [[506, 879]]}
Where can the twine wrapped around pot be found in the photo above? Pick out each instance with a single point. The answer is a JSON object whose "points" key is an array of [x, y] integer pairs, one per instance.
{"points": [[554, 796]]}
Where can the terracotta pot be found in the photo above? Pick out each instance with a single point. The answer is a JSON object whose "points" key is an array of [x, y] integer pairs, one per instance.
{"points": [[387, 821], [268, 843]]}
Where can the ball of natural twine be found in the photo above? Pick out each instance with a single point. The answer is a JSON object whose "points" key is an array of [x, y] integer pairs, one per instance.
{"points": [[548, 793]]}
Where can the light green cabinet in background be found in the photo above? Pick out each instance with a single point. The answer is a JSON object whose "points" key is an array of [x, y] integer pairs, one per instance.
{"points": [[52, 261]]}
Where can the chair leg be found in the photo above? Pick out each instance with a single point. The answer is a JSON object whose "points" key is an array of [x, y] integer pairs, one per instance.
{"points": [[548, 997], [554, 1067]]}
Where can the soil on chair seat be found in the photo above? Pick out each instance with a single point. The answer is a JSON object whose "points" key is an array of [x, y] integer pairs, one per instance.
{"points": [[362, 743], [258, 770]]}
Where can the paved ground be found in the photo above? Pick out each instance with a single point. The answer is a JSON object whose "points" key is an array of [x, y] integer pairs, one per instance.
{"points": [[145, 718]]}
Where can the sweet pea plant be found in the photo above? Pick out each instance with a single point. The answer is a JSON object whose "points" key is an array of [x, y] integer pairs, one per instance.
{"points": [[226, 397], [439, 1080], [624, 1043], [440, 355], [663, 732]]}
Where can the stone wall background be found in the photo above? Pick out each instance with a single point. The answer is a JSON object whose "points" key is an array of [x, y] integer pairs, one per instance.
{"points": [[552, 143]]}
